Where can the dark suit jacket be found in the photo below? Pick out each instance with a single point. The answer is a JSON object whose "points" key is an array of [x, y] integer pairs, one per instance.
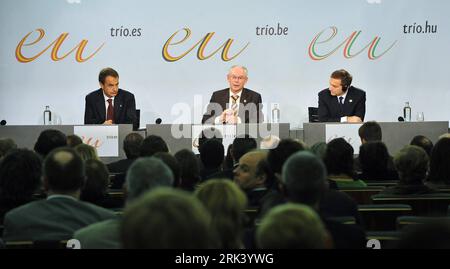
{"points": [[54, 219], [124, 108], [221, 99], [331, 111]]}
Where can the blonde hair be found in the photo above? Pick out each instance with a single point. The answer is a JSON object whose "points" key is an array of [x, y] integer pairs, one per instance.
{"points": [[226, 203]]}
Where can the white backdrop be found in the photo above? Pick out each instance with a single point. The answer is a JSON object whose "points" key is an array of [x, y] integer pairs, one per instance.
{"points": [[282, 68]]}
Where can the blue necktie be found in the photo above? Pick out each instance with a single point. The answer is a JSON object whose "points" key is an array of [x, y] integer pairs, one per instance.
{"points": [[341, 100]]}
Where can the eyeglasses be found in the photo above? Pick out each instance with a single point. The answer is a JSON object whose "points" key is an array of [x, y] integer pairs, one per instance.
{"points": [[237, 78]]}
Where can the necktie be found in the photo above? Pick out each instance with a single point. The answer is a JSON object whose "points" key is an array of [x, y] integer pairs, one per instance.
{"points": [[341, 100], [110, 112], [234, 104]]}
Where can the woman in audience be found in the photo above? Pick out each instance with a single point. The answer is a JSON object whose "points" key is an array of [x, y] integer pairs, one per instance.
{"points": [[86, 152], [189, 169], [412, 165], [20, 178], [96, 185], [374, 158], [339, 163], [226, 203], [439, 174]]}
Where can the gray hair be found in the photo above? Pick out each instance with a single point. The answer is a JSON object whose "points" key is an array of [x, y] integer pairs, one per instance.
{"points": [[240, 66], [145, 174], [304, 176]]}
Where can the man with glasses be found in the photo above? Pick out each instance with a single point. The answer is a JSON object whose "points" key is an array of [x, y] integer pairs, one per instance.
{"points": [[235, 104]]}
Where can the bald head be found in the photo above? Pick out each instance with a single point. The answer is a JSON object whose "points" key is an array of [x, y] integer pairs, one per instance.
{"points": [[64, 170], [245, 173]]}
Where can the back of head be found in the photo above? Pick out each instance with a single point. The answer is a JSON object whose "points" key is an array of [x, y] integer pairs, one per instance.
{"points": [[411, 163], [64, 170], [291, 226], [97, 180], [189, 169], [374, 158], [86, 152], [6, 144], [226, 202], [423, 142], [431, 235], [173, 165], [145, 174], [20, 176], [242, 145], [49, 140], [370, 131], [132, 145], [212, 153], [440, 161], [166, 219], [73, 141], [339, 157], [153, 144], [281, 153], [304, 178]]}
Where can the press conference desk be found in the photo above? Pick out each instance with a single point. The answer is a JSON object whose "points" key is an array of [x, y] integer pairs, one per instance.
{"points": [[395, 134]]}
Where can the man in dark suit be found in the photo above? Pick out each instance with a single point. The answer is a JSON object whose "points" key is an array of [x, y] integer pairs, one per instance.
{"points": [[109, 104], [61, 214], [235, 104], [342, 102]]}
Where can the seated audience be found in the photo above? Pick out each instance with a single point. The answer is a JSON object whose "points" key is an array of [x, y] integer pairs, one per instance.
{"points": [[189, 169], [439, 174], [374, 159], [49, 140], [58, 216]]}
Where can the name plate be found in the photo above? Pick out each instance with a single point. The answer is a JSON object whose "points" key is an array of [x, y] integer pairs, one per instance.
{"points": [[104, 138]]}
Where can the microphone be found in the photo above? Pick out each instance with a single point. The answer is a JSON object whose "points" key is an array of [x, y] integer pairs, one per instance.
{"points": [[3, 122], [158, 121], [401, 118]]}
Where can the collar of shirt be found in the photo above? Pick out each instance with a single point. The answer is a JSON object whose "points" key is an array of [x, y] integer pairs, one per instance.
{"points": [[106, 98], [344, 96], [61, 196]]}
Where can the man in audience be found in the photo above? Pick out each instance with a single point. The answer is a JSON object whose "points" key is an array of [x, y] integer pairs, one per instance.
{"points": [[371, 132], [144, 174], [245, 177], [132, 146], [240, 146], [49, 140], [304, 181], [211, 155], [73, 141], [57, 217], [153, 144]]}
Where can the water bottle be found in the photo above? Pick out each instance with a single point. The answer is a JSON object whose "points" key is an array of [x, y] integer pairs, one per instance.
{"points": [[407, 112], [47, 116], [275, 114]]}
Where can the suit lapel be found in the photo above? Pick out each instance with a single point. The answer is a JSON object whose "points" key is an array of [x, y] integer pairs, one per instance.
{"points": [[101, 106], [118, 104]]}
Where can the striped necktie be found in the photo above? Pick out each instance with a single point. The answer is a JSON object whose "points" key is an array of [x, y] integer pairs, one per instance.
{"points": [[234, 104]]}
